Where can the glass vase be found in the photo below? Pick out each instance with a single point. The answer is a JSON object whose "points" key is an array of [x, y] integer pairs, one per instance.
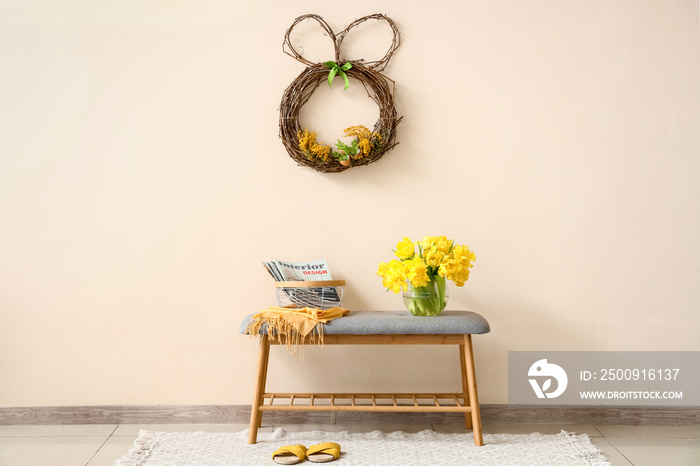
{"points": [[429, 300]]}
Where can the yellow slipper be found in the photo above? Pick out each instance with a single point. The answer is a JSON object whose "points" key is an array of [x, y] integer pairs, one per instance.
{"points": [[289, 454], [323, 453]]}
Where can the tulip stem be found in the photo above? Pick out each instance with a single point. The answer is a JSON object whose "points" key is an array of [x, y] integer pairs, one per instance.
{"points": [[428, 300]]}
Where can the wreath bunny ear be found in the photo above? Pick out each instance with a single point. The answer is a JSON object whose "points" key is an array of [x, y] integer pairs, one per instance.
{"points": [[377, 65], [288, 48]]}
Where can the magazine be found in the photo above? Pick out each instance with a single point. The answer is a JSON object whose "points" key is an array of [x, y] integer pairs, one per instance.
{"points": [[317, 297], [284, 271]]}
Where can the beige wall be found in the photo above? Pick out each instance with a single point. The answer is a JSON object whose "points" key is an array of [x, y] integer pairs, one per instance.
{"points": [[139, 151]]}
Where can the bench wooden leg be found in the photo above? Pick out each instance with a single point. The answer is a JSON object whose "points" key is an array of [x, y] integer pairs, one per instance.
{"points": [[473, 394], [465, 389], [256, 414], [264, 382]]}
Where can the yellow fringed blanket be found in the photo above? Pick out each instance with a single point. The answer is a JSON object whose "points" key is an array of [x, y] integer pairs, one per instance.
{"points": [[294, 325]]}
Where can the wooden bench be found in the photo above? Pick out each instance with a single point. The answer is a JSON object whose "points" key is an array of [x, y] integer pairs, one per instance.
{"points": [[383, 328]]}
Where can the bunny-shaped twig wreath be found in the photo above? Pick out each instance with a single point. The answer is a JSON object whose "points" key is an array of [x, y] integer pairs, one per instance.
{"points": [[367, 146]]}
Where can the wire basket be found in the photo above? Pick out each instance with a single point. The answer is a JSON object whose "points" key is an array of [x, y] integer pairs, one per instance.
{"points": [[315, 294]]}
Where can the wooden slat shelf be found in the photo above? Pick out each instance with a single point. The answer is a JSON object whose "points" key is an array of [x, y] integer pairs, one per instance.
{"points": [[411, 402]]}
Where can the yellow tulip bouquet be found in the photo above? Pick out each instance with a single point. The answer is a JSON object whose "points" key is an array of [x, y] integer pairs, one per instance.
{"points": [[421, 275]]}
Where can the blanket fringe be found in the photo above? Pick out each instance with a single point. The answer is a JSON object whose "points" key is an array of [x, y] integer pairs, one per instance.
{"points": [[588, 452], [280, 329], [143, 447]]}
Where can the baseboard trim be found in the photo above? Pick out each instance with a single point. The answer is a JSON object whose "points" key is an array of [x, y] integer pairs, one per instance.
{"points": [[231, 414]]}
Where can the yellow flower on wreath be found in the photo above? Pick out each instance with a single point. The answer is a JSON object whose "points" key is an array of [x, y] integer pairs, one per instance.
{"points": [[359, 131], [311, 148], [366, 140]]}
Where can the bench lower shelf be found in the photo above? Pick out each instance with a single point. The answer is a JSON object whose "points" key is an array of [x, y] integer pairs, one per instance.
{"points": [[379, 402]]}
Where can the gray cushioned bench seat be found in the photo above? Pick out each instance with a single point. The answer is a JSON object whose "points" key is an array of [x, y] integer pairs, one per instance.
{"points": [[400, 323]]}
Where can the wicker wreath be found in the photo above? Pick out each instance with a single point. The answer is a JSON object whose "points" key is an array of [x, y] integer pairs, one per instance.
{"points": [[379, 88]]}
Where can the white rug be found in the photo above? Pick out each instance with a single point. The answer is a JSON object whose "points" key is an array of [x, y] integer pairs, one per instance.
{"points": [[373, 448]]}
